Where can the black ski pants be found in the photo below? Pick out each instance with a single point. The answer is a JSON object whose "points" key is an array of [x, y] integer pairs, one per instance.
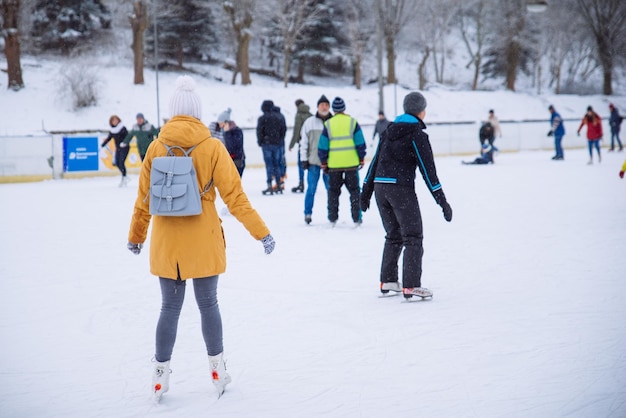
{"points": [[402, 220], [336, 179]]}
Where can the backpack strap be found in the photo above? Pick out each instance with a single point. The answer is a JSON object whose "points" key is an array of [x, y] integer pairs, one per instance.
{"points": [[170, 153], [170, 150]]}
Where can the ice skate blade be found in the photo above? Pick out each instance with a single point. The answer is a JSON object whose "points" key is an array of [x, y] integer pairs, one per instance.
{"points": [[416, 298]]}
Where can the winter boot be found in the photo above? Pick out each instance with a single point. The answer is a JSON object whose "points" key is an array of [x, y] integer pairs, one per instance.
{"points": [[160, 379], [299, 189], [307, 219], [218, 371], [269, 189], [390, 286], [416, 291]]}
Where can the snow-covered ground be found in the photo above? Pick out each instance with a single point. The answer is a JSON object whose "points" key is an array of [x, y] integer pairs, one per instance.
{"points": [[527, 318]]}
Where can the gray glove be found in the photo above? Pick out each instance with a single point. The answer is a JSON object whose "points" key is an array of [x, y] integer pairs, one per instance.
{"points": [[134, 248], [268, 243]]}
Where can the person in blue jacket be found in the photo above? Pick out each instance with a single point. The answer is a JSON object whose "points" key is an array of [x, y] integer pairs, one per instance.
{"points": [[615, 120], [558, 131], [404, 148]]}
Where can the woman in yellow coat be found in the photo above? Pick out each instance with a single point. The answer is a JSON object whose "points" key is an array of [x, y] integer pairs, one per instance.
{"points": [[191, 247]]}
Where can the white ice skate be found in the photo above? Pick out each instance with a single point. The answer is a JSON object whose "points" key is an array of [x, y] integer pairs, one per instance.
{"points": [[218, 371], [417, 291], [390, 286], [160, 379]]}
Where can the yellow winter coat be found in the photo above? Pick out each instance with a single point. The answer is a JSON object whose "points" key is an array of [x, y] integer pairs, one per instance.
{"points": [[193, 246]]}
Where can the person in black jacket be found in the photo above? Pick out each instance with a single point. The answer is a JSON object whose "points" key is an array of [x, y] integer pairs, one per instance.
{"points": [[118, 132], [233, 140], [270, 132], [404, 147]]}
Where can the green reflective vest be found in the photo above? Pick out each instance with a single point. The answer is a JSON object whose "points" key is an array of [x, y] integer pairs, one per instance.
{"points": [[341, 149]]}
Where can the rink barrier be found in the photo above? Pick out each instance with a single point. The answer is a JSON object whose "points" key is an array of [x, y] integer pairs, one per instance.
{"points": [[40, 157]]}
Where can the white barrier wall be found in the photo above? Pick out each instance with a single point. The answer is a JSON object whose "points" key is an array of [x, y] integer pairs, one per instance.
{"points": [[30, 155]]}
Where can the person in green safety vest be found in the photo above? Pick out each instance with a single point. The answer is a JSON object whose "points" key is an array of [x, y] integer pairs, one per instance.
{"points": [[341, 150]]}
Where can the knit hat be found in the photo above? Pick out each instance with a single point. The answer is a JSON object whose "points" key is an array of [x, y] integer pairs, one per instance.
{"points": [[339, 105], [139, 115], [414, 103], [550, 107], [224, 116], [185, 100], [323, 99]]}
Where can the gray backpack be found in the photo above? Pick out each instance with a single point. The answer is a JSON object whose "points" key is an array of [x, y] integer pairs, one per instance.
{"points": [[173, 185]]}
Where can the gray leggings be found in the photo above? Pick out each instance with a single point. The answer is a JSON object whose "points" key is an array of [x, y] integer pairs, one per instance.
{"points": [[173, 295]]}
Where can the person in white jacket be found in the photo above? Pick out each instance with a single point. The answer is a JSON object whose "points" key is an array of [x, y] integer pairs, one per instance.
{"points": [[309, 138]]}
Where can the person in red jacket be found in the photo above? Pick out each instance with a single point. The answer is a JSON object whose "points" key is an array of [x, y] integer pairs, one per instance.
{"points": [[594, 132]]}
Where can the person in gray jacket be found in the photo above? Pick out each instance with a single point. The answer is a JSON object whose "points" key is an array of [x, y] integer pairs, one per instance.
{"points": [[309, 138]]}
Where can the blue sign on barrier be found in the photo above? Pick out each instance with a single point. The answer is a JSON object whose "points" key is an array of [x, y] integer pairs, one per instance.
{"points": [[80, 154]]}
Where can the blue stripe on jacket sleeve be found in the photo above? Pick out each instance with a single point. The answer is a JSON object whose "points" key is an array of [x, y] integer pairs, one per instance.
{"points": [[432, 187]]}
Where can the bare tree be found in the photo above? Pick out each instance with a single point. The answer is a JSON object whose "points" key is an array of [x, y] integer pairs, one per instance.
{"points": [[360, 28], [607, 22], [442, 14], [240, 13], [10, 11], [471, 19], [139, 23], [395, 14], [293, 19]]}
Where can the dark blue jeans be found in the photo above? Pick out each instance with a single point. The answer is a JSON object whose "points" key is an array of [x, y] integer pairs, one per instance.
{"points": [[272, 155], [313, 178], [594, 143], [173, 295], [615, 136], [557, 145]]}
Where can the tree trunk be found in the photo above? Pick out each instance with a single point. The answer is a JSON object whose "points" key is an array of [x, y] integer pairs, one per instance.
{"points": [[286, 62], [244, 60], [477, 64], [10, 16], [512, 55], [138, 23], [422, 67], [300, 77], [357, 73], [391, 60]]}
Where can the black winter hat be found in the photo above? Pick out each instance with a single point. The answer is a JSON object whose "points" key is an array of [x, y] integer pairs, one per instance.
{"points": [[339, 105], [323, 99], [414, 103]]}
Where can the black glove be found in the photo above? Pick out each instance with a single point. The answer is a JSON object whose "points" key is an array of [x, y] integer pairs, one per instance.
{"points": [[304, 165], [447, 211], [134, 248], [551, 132], [366, 196]]}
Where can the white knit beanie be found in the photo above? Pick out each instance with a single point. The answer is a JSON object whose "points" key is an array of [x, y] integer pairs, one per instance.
{"points": [[185, 100]]}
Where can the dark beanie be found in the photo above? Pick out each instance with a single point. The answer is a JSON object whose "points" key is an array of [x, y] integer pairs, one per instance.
{"points": [[323, 99], [414, 103], [339, 105]]}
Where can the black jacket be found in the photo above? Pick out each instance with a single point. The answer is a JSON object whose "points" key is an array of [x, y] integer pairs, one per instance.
{"points": [[404, 147], [271, 127]]}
